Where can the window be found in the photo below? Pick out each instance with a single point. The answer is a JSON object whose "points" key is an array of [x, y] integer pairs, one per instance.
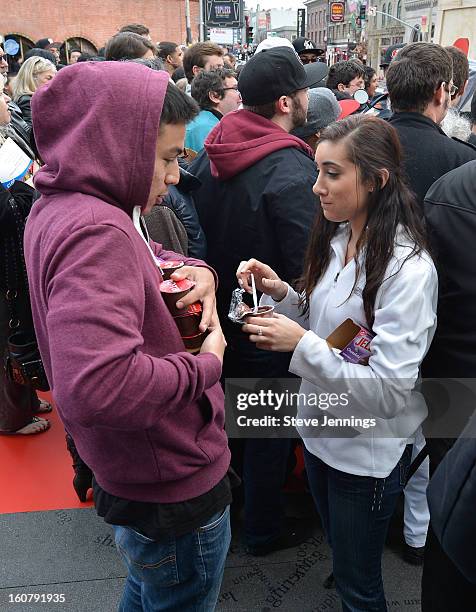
{"points": [[24, 43], [337, 32], [399, 9], [389, 10], [384, 17]]}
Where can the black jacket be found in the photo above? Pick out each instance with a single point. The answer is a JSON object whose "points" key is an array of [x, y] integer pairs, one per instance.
{"points": [[17, 402], [428, 152], [450, 212], [24, 104], [452, 501], [265, 211], [181, 200], [22, 129], [174, 223]]}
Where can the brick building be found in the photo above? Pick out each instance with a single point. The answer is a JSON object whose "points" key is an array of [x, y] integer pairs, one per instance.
{"points": [[317, 17], [89, 24]]}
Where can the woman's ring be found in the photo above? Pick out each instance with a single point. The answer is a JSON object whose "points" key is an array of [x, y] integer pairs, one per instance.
{"points": [[260, 331]]}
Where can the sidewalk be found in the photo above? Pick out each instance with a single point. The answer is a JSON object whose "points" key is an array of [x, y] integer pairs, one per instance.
{"points": [[72, 552]]}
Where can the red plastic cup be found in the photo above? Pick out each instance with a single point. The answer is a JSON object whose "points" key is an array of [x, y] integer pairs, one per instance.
{"points": [[193, 344], [173, 291], [188, 322], [169, 267]]}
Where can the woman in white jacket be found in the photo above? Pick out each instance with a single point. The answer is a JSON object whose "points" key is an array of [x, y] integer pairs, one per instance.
{"points": [[367, 261]]}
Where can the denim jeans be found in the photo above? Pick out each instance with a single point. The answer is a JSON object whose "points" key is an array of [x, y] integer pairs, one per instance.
{"points": [[356, 512], [183, 573]]}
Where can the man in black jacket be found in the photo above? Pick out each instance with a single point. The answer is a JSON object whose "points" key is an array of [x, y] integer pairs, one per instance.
{"points": [[256, 200], [420, 85], [450, 212]]}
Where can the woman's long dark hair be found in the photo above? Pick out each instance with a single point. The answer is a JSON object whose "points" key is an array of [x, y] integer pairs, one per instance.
{"points": [[372, 145]]}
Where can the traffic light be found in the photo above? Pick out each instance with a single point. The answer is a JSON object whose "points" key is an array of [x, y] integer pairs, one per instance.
{"points": [[362, 12], [248, 31]]}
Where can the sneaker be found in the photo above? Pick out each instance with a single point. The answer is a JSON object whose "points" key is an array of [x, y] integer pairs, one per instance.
{"points": [[294, 533], [413, 555]]}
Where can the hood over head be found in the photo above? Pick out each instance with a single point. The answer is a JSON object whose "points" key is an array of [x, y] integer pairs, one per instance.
{"points": [[243, 138], [96, 127]]}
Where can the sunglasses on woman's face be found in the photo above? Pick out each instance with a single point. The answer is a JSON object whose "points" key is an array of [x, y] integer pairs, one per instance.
{"points": [[308, 60]]}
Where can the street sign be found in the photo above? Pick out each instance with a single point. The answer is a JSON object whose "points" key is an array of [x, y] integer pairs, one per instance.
{"points": [[337, 12], [224, 13], [301, 22], [221, 36], [372, 11]]}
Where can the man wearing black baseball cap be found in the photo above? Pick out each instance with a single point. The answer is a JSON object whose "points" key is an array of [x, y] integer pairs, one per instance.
{"points": [[256, 200], [307, 50]]}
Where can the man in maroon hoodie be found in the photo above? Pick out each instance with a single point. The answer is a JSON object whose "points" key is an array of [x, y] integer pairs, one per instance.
{"points": [[256, 200], [146, 415]]}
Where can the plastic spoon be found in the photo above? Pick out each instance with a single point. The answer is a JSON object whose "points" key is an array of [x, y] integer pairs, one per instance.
{"points": [[255, 296]]}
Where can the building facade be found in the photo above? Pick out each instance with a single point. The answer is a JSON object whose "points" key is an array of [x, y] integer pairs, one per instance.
{"points": [[456, 19], [343, 39], [289, 32], [316, 21], [382, 31], [282, 22], [417, 13], [94, 24]]}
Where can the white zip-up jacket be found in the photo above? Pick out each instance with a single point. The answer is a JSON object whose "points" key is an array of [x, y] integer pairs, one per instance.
{"points": [[405, 321]]}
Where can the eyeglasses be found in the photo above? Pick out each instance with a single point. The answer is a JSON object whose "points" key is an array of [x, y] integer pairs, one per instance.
{"points": [[235, 88], [306, 60], [3, 58], [452, 88]]}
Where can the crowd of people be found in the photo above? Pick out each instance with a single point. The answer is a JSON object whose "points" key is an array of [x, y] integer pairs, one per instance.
{"points": [[274, 176]]}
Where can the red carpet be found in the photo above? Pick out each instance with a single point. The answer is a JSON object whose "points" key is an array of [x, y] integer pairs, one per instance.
{"points": [[36, 472]]}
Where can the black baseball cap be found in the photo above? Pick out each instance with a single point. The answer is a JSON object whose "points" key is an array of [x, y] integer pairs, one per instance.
{"points": [[305, 45], [271, 74], [318, 72]]}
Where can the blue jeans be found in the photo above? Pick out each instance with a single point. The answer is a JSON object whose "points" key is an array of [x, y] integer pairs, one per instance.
{"points": [[183, 573], [356, 512]]}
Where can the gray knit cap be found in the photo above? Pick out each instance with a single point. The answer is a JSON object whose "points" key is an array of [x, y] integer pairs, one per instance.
{"points": [[323, 110]]}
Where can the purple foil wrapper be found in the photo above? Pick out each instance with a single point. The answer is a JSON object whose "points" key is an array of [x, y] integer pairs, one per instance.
{"points": [[358, 349]]}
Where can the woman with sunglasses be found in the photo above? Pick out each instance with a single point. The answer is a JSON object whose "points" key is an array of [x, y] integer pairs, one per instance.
{"points": [[367, 261]]}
